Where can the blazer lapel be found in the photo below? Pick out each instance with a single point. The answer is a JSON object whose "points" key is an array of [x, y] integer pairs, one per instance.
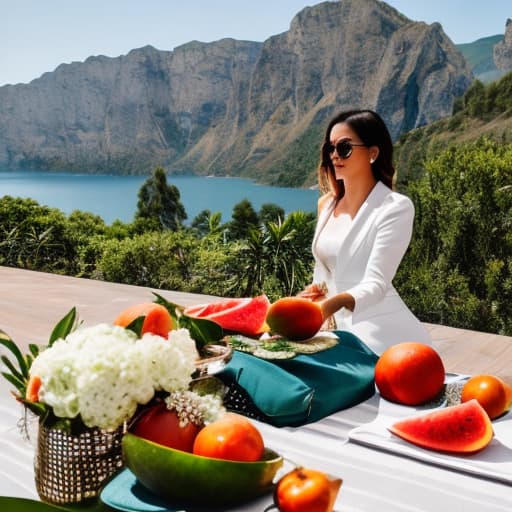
{"points": [[360, 225]]}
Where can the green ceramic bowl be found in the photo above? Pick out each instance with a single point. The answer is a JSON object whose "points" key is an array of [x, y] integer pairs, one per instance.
{"points": [[175, 475]]}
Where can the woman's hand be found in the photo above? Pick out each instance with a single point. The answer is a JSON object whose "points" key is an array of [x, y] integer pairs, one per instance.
{"points": [[314, 292]]}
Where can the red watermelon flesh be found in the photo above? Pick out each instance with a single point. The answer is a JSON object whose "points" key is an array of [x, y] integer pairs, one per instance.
{"points": [[243, 315], [462, 428]]}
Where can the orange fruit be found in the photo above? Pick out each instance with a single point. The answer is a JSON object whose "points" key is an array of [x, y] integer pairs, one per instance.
{"points": [[306, 490], [232, 437], [157, 320], [33, 386], [409, 373], [508, 393], [491, 393]]}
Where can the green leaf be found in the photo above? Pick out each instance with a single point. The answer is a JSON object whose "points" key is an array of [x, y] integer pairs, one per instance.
{"points": [[136, 325], [17, 383], [201, 330], [174, 309], [7, 342], [34, 349], [38, 408], [29, 360], [64, 326], [12, 368]]}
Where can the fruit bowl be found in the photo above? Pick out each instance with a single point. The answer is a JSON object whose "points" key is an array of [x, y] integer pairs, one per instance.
{"points": [[179, 476]]}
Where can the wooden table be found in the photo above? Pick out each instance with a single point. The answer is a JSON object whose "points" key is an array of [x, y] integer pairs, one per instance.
{"points": [[32, 302]]}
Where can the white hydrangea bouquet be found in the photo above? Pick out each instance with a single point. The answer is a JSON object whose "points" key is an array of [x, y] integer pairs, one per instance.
{"points": [[97, 376]]}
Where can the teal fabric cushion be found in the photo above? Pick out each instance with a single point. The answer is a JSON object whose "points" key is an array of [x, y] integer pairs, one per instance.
{"points": [[292, 392]]}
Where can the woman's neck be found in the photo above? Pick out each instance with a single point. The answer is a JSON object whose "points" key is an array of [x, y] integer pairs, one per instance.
{"points": [[355, 195]]}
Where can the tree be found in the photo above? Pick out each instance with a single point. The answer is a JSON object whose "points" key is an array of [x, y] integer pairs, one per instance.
{"points": [[271, 212], [163, 259], [35, 237], [244, 218], [159, 203], [275, 258], [207, 223]]}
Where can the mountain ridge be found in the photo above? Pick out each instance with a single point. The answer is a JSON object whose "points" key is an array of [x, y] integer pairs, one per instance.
{"points": [[234, 107]]}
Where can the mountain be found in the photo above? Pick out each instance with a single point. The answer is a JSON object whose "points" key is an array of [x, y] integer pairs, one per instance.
{"points": [[235, 107], [480, 56], [503, 50], [485, 110], [490, 58]]}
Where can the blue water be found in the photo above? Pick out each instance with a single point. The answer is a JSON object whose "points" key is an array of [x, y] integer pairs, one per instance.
{"points": [[115, 197]]}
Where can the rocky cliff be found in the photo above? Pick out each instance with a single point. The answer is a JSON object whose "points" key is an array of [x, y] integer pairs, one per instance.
{"points": [[234, 107], [503, 50]]}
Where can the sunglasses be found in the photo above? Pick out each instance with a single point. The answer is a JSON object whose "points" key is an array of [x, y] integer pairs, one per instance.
{"points": [[343, 148]]}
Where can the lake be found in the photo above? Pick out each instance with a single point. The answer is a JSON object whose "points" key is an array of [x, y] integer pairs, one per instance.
{"points": [[115, 197]]}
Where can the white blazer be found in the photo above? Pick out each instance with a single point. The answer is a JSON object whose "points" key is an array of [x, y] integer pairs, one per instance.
{"points": [[365, 267]]}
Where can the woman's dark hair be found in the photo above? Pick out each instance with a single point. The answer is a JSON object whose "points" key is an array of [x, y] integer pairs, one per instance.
{"points": [[372, 131]]}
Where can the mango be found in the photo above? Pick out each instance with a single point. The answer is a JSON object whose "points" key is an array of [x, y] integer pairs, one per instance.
{"points": [[295, 318]]}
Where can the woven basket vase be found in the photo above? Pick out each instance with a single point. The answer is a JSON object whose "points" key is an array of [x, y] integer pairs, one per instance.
{"points": [[71, 468]]}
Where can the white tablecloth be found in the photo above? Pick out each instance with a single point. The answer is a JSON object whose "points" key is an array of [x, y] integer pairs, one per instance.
{"points": [[373, 480]]}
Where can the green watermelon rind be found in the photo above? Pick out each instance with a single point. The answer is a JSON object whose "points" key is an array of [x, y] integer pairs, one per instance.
{"points": [[461, 428], [183, 477]]}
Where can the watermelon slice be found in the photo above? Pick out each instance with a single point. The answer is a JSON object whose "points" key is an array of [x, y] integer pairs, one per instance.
{"points": [[462, 428], [242, 315]]}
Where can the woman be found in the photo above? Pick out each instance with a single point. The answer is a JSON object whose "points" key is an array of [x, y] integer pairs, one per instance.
{"points": [[363, 231]]}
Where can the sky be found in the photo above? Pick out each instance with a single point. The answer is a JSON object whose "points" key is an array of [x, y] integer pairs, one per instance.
{"points": [[38, 35]]}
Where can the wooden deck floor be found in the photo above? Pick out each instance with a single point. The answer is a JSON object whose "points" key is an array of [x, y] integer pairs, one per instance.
{"points": [[32, 302]]}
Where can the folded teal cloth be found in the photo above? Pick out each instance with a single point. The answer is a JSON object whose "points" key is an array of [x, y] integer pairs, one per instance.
{"points": [[306, 388]]}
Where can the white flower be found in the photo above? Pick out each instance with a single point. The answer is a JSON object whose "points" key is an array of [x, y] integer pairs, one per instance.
{"points": [[103, 372], [194, 408]]}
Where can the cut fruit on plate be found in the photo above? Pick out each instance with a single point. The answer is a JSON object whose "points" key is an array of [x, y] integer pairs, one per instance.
{"points": [[463, 428]]}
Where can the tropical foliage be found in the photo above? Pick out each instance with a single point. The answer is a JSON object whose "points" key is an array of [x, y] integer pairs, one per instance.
{"points": [[459, 267], [458, 270], [253, 253]]}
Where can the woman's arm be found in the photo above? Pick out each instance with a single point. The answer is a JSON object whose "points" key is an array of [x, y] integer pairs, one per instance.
{"points": [[394, 230], [335, 303]]}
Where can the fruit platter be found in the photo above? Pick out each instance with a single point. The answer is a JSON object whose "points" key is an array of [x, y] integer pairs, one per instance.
{"points": [[453, 421]]}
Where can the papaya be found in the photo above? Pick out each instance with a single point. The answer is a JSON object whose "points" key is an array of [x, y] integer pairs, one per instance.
{"points": [[157, 320], [461, 428], [295, 318]]}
